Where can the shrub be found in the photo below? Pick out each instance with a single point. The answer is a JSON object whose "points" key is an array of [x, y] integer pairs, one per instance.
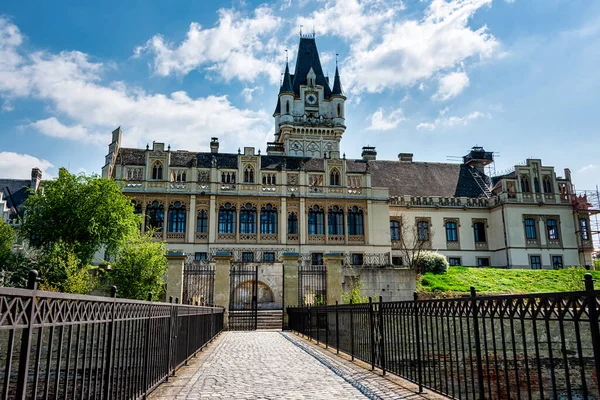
{"points": [[430, 261]]}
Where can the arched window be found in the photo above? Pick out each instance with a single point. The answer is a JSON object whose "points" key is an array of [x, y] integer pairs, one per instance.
{"points": [[339, 110], [249, 174], [227, 177], [552, 227], [292, 223], [248, 219], [423, 231], [157, 170], [355, 222], [334, 177], [202, 222], [394, 230], [525, 184], [547, 183], [335, 221], [155, 216], [530, 231], [287, 107], [176, 218], [137, 208], [227, 218], [451, 232], [316, 221], [536, 184], [268, 219]]}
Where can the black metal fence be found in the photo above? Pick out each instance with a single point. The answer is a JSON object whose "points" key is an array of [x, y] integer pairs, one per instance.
{"points": [[312, 284], [534, 346], [199, 282], [243, 297], [56, 345]]}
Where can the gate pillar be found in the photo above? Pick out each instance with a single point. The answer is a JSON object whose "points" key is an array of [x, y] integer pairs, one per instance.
{"points": [[333, 262], [175, 264], [222, 270], [290, 283]]}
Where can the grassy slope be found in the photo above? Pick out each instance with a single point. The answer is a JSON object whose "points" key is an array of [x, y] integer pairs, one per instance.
{"points": [[458, 280]]}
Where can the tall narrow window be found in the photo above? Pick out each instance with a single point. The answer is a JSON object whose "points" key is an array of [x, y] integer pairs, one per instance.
{"points": [[248, 219], [137, 208], [394, 230], [155, 216], [268, 220], [525, 184], [157, 171], [355, 222], [202, 222], [292, 224], [557, 262], [479, 232], [287, 107], [423, 231], [335, 221], [552, 227], [339, 110], [334, 177], [583, 227], [451, 232], [536, 184], [530, 231], [249, 174], [176, 217], [227, 218], [316, 221], [547, 183]]}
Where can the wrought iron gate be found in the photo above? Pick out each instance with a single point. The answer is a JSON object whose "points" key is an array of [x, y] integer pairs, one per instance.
{"points": [[312, 285], [198, 282], [243, 301]]}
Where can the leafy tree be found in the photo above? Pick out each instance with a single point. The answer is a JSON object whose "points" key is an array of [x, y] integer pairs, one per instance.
{"points": [[354, 295], [84, 212], [7, 238], [61, 271], [140, 268], [15, 268]]}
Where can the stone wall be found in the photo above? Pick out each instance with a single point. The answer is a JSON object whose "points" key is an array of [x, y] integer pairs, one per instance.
{"points": [[393, 284]]}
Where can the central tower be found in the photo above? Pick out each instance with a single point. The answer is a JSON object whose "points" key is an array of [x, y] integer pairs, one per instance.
{"points": [[309, 116]]}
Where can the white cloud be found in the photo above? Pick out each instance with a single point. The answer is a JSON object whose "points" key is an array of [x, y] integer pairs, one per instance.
{"points": [[382, 120], [18, 166], [237, 47], [588, 168], [451, 121], [86, 109], [451, 85], [248, 93]]}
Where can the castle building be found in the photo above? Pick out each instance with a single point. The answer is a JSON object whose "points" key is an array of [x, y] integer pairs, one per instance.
{"points": [[303, 196]]}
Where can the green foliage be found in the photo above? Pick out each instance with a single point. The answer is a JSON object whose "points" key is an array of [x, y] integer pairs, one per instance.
{"points": [[140, 268], [432, 262], [15, 268], [458, 280], [61, 271], [84, 212], [7, 238], [354, 295]]}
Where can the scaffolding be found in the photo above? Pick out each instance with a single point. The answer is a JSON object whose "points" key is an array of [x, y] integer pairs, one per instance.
{"points": [[593, 198]]}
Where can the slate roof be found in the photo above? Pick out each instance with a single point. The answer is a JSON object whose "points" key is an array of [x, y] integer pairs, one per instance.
{"points": [[19, 189], [337, 84], [307, 58], [424, 179]]}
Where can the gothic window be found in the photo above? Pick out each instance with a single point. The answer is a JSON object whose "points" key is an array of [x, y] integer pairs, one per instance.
{"points": [[394, 230], [248, 219], [335, 221], [552, 228], [423, 231], [157, 170], [547, 183], [292, 223], [339, 110], [202, 222], [316, 221], [137, 208], [525, 184], [530, 231], [479, 232], [268, 219], [249, 174], [269, 179], [228, 177], [355, 222], [536, 184], [155, 216], [583, 227], [176, 217], [227, 218], [178, 176], [334, 177], [451, 231], [287, 107]]}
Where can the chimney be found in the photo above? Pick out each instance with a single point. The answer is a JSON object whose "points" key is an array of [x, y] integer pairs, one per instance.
{"points": [[214, 145], [368, 153], [36, 178], [405, 157]]}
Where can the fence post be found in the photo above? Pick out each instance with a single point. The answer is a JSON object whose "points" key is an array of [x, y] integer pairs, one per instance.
{"points": [[175, 334], [110, 345], [351, 331], [26, 338], [337, 329], [372, 333], [188, 335], [169, 333], [475, 311], [317, 321], [327, 327], [418, 340], [147, 348], [593, 312], [381, 336]]}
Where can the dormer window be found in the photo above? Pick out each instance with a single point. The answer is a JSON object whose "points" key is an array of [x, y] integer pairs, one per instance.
{"points": [[334, 177], [249, 174], [157, 171]]}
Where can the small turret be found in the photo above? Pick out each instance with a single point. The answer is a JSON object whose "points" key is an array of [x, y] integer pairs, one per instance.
{"points": [[337, 84]]}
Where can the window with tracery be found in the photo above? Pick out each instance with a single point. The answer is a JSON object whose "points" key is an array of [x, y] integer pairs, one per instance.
{"points": [[202, 222], [155, 216], [269, 179], [334, 177], [249, 174], [335, 221], [423, 231], [176, 217], [268, 219], [248, 219], [227, 177], [157, 170], [316, 221], [547, 184], [355, 222], [227, 218], [525, 184], [292, 224]]}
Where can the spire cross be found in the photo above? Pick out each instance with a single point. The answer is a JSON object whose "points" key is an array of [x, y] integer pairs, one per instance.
{"points": [[336, 56], [301, 30], [286, 56]]}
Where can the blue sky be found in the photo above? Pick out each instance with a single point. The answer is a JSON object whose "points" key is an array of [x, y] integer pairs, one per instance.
{"points": [[433, 78]]}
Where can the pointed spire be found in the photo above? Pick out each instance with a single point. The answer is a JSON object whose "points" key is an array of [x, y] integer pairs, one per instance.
{"points": [[286, 86], [337, 83]]}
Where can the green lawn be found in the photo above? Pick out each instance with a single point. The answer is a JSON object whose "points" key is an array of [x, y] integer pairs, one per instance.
{"points": [[458, 280]]}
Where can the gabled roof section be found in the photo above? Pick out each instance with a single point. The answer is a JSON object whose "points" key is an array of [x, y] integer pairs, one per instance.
{"points": [[307, 58], [337, 84], [16, 190]]}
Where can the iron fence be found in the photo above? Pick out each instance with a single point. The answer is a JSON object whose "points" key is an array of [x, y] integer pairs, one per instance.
{"points": [[312, 284], [199, 282], [56, 345], [534, 346]]}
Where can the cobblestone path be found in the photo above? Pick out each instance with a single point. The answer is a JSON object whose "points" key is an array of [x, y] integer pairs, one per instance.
{"points": [[274, 365]]}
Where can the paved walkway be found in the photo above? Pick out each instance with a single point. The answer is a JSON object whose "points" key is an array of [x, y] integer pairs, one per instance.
{"points": [[275, 365]]}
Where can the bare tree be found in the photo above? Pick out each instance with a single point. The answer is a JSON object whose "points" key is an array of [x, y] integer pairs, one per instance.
{"points": [[415, 238]]}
